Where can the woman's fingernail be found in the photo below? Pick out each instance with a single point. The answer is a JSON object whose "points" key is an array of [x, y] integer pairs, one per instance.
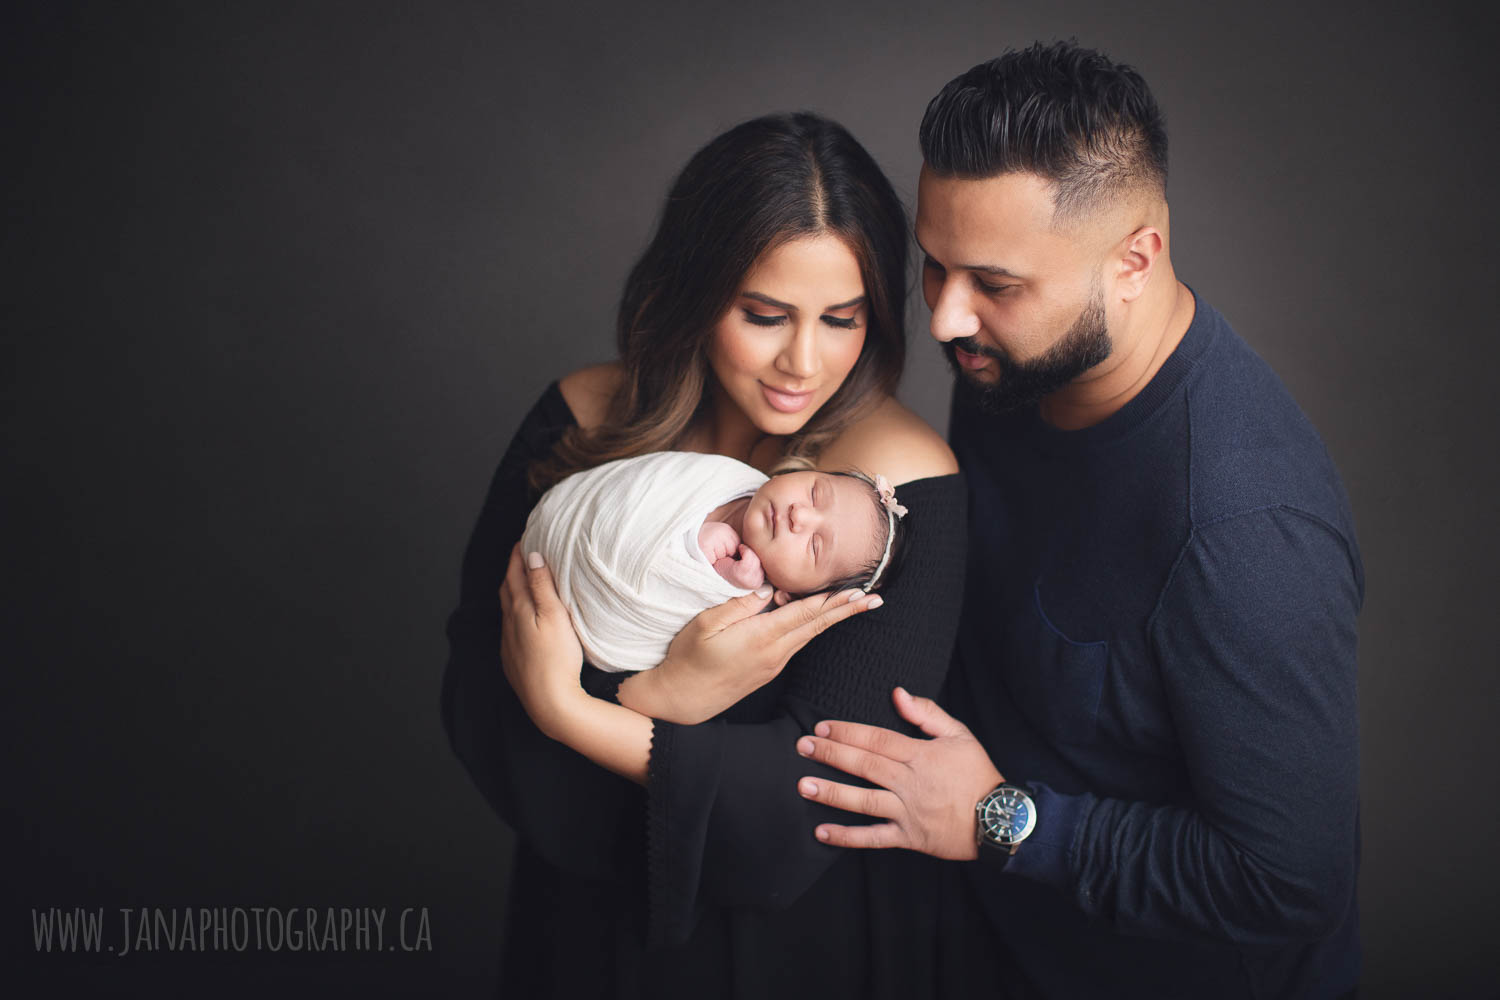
{"points": [[807, 787], [875, 602], [763, 592], [853, 596], [534, 560], [805, 747]]}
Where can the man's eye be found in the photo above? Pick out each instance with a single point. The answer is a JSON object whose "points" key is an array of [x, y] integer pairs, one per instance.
{"points": [[760, 319], [991, 289]]}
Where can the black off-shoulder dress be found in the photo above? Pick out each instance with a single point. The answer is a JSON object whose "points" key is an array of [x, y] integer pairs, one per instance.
{"points": [[708, 882]]}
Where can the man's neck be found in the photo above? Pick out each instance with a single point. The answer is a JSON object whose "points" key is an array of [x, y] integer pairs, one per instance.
{"points": [[1156, 328]]}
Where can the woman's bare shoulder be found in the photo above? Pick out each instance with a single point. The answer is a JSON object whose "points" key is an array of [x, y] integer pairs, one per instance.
{"points": [[589, 390], [894, 442]]}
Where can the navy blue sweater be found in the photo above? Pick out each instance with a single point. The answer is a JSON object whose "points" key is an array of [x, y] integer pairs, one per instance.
{"points": [[1159, 638]]}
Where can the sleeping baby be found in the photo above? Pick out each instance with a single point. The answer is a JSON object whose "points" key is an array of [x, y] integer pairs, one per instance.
{"points": [[639, 546]]}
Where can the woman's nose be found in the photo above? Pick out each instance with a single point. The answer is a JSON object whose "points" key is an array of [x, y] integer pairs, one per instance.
{"points": [[800, 359]]}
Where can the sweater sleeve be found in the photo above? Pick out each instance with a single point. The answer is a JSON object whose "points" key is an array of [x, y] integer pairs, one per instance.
{"points": [[725, 824], [1254, 637], [559, 801]]}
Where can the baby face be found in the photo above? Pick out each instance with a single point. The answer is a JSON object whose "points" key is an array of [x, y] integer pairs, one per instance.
{"points": [[811, 528]]}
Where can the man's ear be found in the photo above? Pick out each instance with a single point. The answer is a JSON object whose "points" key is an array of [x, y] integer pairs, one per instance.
{"points": [[1137, 257]]}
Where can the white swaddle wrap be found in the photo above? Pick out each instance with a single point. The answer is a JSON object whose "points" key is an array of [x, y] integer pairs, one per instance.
{"points": [[621, 540]]}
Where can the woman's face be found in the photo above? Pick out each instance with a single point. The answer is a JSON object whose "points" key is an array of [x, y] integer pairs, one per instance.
{"points": [[792, 334]]}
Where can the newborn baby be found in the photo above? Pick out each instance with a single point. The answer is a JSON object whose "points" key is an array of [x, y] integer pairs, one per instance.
{"points": [[639, 546]]}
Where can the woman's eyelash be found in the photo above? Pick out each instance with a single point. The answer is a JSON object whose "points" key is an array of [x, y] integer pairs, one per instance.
{"points": [[761, 319]]}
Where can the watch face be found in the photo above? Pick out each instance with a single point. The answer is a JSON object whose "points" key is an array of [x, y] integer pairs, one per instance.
{"points": [[1007, 816]]}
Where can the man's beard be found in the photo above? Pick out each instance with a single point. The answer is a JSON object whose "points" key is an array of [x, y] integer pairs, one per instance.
{"points": [[1024, 383]]}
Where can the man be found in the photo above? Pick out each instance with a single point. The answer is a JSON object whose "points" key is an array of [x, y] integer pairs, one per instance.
{"points": [[1157, 784]]}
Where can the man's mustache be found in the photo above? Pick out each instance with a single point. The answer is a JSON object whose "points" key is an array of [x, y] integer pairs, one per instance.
{"points": [[972, 345]]}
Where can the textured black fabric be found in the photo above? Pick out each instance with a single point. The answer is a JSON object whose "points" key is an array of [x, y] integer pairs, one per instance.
{"points": [[1159, 639], [709, 882]]}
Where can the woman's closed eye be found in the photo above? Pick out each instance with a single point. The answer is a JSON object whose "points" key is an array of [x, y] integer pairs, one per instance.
{"points": [[780, 319], [761, 319]]}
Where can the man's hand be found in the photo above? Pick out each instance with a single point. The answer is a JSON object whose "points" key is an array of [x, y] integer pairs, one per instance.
{"points": [[928, 787]]}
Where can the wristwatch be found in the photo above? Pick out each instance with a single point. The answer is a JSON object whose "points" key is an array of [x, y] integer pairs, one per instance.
{"points": [[1006, 817]]}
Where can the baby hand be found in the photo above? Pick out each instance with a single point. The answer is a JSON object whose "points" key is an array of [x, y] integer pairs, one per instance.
{"points": [[718, 541], [743, 572]]}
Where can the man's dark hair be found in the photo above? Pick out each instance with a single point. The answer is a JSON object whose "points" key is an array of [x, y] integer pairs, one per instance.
{"points": [[1065, 113]]}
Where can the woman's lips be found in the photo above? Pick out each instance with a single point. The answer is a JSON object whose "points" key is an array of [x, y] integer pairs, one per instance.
{"points": [[786, 402], [973, 362]]}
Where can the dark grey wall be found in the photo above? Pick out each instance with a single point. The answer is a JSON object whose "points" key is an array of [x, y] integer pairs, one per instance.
{"points": [[280, 282]]}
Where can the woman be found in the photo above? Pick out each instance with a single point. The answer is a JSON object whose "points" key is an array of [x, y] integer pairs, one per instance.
{"points": [[663, 848]]}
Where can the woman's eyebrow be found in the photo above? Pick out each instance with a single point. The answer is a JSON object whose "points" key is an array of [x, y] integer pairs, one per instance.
{"points": [[788, 307], [757, 296]]}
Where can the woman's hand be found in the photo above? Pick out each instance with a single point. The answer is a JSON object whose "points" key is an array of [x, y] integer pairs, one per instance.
{"points": [[539, 648], [730, 650]]}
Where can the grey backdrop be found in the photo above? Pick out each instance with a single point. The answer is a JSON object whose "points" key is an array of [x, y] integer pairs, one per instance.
{"points": [[279, 283]]}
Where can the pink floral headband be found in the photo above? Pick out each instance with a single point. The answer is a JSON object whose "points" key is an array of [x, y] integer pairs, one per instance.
{"points": [[893, 512]]}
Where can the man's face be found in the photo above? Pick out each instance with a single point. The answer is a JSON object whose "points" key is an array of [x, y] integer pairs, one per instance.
{"points": [[1016, 302]]}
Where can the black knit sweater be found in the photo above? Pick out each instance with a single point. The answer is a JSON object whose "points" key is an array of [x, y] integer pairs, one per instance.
{"points": [[708, 882]]}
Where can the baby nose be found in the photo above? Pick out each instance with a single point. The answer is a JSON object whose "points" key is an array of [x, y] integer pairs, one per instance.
{"points": [[802, 517]]}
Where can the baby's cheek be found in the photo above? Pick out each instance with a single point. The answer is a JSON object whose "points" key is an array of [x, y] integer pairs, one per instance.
{"points": [[769, 565]]}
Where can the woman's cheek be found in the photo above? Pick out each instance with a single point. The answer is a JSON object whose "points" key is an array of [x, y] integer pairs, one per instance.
{"points": [[738, 352], [842, 355]]}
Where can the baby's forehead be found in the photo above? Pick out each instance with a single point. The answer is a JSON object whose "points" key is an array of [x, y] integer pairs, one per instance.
{"points": [[858, 509]]}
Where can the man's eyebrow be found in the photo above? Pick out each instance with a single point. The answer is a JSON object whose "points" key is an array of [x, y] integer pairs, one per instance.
{"points": [[788, 307], [991, 269]]}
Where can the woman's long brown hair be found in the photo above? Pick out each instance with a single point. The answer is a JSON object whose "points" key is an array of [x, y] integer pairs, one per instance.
{"points": [[763, 183]]}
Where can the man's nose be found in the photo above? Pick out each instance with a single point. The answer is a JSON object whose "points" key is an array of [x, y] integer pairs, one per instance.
{"points": [[952, 315]]}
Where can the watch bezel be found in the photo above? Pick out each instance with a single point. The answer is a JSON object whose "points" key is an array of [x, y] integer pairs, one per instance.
{"points": [[986, 833]]}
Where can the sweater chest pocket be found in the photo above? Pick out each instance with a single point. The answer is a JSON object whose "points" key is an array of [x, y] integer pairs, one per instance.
{"points": [[1056, 681]]}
